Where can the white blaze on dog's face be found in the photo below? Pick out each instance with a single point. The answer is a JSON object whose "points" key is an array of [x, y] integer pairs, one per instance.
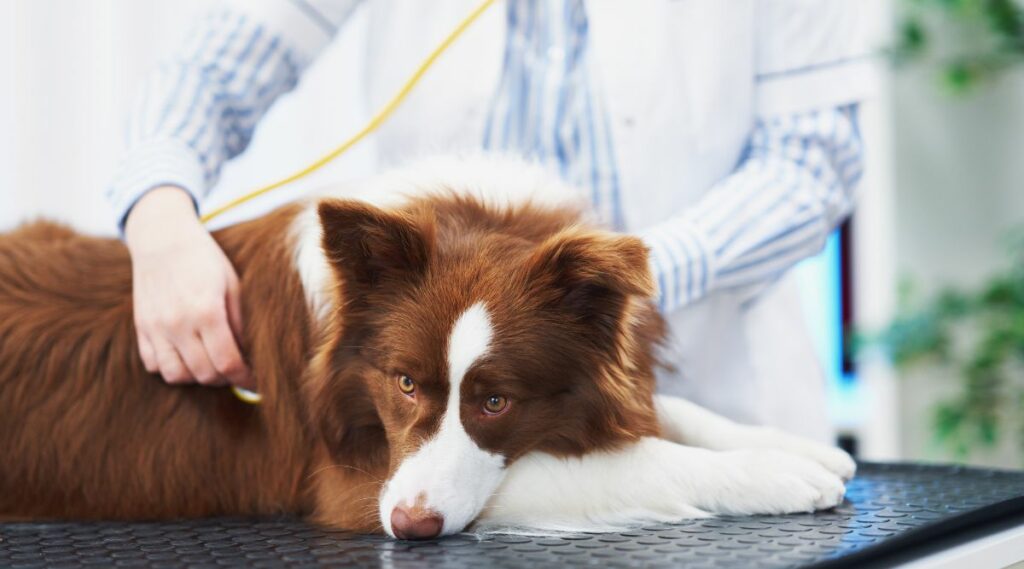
{"points": [[465, 338], [450, 476]]}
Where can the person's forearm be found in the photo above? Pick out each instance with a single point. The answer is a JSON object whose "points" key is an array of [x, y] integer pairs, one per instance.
{"points": [[793, 187], [158, 216]]}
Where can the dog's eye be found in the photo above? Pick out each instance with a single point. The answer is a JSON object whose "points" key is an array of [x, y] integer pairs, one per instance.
{"points": [[406, 385], [495, 404]]}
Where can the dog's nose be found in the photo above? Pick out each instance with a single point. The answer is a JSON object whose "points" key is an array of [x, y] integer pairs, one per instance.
{"points": [[415, 523]]}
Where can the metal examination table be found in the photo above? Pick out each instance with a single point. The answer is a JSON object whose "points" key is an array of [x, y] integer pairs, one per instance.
{"points": [[894, 514]]}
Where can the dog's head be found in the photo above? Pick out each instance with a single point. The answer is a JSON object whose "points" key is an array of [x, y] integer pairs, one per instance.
{"points": [[466, 336]]}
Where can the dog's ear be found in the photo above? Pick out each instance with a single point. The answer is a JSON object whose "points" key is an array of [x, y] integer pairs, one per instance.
{"points": [[368, 246], [591, 273], [602, 281], [576, 260], [341, 410]]}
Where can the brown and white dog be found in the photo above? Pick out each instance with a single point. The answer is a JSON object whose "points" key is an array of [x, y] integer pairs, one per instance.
{"points": [[450, 360]]}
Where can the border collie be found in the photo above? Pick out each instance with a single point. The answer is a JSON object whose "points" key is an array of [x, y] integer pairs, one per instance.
{"points": [[452, 360]]}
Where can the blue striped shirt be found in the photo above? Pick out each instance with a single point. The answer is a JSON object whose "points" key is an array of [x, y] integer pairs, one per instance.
{"points": [[792, 187], [547, 107]]}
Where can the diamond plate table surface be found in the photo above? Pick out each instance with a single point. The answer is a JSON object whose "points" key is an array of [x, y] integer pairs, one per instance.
{"points": [[888, 507]]}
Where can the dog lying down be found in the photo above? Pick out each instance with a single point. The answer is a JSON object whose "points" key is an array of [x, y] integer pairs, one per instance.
{"points": [[454, 360]]}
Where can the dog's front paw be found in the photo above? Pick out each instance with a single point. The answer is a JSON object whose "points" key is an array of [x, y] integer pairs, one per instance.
{"points": [[766, 481], [834, 459]]}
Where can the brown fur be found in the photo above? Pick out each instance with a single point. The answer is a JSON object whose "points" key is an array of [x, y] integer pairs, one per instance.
{"points": [[86, 432]]}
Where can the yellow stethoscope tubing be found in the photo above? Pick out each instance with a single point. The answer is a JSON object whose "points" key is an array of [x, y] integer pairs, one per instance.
{"points": [[374, 123]]}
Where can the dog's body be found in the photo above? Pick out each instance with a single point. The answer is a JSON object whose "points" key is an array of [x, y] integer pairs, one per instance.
{"points": [[423, 367], [85, 432]]}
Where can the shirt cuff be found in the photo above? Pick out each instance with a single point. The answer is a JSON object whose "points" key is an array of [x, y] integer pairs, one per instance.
{"points": [[826, 85], [151, 165], [680, 260]]}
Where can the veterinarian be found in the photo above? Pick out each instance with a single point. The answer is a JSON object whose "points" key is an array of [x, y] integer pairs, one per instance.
{"points": [[723, 133]]}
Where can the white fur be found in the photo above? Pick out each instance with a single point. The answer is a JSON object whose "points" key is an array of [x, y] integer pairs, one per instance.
{"points": [[688, 424], [450, 474], [469, 341], [495, 179], [655, 480], [311, 262], [740, 470]]}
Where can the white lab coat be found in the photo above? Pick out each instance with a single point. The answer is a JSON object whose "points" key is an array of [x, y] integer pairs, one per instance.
{"points": [[679, 80]]}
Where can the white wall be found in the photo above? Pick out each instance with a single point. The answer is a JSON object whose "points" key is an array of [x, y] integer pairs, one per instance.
{"points": [[69, 69], [944, 185], [945, 182], [7, 162], [960, 176]]}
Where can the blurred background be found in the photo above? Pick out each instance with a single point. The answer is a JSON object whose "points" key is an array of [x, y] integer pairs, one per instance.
{"points": [[917, 305]]}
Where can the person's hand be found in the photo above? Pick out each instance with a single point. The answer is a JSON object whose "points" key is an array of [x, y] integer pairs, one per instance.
{"points": [[186, 294]]}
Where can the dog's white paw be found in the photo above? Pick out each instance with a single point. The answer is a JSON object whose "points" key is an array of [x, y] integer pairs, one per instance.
{"points": [[836, 460], [765, 481]]}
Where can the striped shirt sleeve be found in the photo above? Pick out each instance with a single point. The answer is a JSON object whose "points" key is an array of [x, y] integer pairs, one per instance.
{"points": [[793, 186], [199, 109]]}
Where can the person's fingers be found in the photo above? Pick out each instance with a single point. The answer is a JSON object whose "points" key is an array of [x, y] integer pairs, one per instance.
{"points": [[172, 368], [190, 319], [193, 354], [147, 353], [223, 352], [234, 307], [233, 303]]}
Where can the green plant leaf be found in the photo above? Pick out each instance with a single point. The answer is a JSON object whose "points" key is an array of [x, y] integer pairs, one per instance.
{"points": [[991, 399]]}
